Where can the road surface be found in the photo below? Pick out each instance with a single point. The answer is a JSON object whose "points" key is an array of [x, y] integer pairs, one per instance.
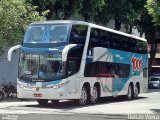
{"points": [[147, 105]]}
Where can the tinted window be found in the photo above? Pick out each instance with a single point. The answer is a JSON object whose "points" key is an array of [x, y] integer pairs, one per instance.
{"points": [[154, 79], [73, 66], [74, 60], [47, 33], [102, 38], [78, 34], [107, 69], [95, 38]]}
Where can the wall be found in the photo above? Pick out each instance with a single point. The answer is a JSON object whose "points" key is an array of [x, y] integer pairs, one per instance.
{"points": [[9, 70]]}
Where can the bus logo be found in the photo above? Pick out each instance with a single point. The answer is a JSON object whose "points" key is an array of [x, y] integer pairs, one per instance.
{"points": [[136, 64], [37, 89]]}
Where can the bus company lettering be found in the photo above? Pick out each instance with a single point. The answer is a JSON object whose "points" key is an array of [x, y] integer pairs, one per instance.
{"points": [[136, 64]]}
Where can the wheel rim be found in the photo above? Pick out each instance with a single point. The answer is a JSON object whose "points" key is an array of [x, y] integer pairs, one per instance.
{"points": [[129, 92], [136, 91], [94, 95], [1, 96], [83, 98]]}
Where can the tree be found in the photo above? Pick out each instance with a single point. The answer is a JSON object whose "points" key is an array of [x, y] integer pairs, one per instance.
{"points": [[15, 15], [58, 9], [91, 9], [65, 9], [153, 7], [124, 12]]}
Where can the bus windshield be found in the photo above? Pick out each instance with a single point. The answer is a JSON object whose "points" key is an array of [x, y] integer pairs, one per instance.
{"points": [[47, 33], [44, 67]]}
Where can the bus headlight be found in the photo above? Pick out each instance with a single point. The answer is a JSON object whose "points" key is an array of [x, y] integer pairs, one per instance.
{"points": [[21, 86]]}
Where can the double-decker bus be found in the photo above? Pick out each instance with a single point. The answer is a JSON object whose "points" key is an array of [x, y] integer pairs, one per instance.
{"points": [[81, 61]]}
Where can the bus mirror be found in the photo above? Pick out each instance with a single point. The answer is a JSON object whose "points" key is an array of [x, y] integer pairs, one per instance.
{"points": [[10, 51]]}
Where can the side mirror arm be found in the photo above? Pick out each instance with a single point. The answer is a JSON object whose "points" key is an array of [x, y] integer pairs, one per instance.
{"points": [[10, 51]]}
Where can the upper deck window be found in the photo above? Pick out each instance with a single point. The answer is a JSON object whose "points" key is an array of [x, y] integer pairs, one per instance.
{"points": [[47, 33], [78, 34]]}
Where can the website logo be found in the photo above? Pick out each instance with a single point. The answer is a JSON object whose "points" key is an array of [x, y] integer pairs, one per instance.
{"points": [[136, 64]]}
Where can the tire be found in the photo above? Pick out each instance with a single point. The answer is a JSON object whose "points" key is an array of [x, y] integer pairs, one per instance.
{"points": [[84, 96], [55, 101], [22, 99], [129, 95], [94, 95], [135, 95], [1, 96], [42, 102]]}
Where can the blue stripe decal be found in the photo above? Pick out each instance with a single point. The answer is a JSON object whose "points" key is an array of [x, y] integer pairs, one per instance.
{"points": [[54, 82], [26, 81], [42, 50], [133, 59], [126, 58]]}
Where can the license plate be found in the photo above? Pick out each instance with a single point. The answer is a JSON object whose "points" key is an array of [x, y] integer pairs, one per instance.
{"points": [[37, 95]]}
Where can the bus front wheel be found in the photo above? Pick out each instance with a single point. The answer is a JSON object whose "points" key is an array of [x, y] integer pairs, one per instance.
{"points": [[42, 101]]}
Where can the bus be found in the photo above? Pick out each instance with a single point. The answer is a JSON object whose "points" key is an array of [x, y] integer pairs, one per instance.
{"points": [[76, 60]]}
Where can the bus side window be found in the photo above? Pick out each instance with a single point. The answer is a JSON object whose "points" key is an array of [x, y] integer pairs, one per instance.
{"points": [[78, 34], [95, 39], [73, 37], [73, 66], [116, 41]]}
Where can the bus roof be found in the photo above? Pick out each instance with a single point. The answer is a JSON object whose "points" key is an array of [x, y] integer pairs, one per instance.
{"points": [[91, 25]]}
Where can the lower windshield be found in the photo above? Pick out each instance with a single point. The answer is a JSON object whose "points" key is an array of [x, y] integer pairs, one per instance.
{"points": [[45, 67]]}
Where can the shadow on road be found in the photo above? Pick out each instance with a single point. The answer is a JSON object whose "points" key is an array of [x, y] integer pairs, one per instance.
{"points": [[156, 110], [153, 90], [71, 104]]}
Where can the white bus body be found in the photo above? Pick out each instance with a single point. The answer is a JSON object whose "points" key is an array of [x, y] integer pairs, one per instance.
{"points": [[93, 61]]}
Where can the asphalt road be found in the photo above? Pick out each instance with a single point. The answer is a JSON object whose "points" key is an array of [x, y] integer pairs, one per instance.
{"points": [[147, 106]]}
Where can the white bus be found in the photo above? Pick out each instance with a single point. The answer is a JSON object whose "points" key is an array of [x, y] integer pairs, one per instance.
{"points": [[81, 61]]}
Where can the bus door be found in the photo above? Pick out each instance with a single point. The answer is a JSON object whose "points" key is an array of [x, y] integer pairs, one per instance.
{"points": [[73, 65]]}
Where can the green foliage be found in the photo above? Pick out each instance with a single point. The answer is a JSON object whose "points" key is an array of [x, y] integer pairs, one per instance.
{"points": [[125, 12], [92, 9], [58, 9], [64, 9], [153, 7], [15, 15]]}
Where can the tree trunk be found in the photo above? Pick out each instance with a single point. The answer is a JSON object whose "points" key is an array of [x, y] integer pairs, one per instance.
{"points": [[130, 29], [117, 23], [51, 12], [68, 10], [141, 34], [141, 31], [153, 51]]}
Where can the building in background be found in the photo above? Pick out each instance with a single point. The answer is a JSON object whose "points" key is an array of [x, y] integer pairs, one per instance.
{"points": [[9, 70], [155, 71]]}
